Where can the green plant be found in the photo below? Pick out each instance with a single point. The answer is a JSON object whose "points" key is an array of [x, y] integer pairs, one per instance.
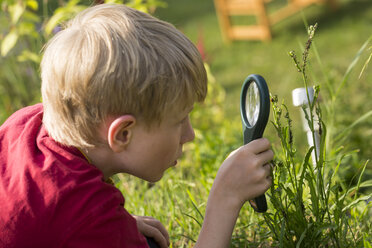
{"points": [[310, 208]]}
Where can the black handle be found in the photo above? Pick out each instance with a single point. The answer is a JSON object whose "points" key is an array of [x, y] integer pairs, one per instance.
{"points": [[151, 242], [259, 204]]}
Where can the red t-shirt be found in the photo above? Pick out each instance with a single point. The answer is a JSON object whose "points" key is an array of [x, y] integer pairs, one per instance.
{"points": [[50, 196]]}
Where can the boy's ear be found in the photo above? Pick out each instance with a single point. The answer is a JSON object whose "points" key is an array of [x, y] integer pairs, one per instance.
{"points": [[120, 132]]}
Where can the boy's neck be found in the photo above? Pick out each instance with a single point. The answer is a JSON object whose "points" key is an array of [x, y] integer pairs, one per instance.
{"points": [[100, 158]]}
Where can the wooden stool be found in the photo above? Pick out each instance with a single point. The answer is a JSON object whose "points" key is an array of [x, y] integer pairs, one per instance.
{"points": [[261, 30]]}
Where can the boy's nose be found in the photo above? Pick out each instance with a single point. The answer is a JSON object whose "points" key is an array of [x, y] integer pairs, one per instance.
{"points": [[188, 133]]}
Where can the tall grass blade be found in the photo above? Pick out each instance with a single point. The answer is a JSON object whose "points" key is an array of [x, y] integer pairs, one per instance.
{"points": [[282, 231], [367, 62], [303, 235], [366, 184], [192, 217], [360, 179], [194, 204], [351, 66], [366, 243], [355, 202], [359, 120]]}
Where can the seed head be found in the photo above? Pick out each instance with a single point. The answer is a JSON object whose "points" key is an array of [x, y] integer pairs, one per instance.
{"points": [[311, 32], [292, 54], [274, 99]]}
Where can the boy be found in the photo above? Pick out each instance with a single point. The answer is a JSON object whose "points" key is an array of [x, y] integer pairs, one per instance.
{"points": [[118, 86]]}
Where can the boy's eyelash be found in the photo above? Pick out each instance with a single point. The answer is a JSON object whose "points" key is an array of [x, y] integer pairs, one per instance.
{"points": [[184, 119]]}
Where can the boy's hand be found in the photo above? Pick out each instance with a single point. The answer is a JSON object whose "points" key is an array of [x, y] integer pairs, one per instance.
{"points": [[245, 174], [153, 228]]}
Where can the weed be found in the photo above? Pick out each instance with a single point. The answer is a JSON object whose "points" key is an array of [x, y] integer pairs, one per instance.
{"points": [[309, 207]]}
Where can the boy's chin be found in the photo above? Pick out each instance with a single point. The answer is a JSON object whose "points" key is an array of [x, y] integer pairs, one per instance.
{"points": [[154, 179]]}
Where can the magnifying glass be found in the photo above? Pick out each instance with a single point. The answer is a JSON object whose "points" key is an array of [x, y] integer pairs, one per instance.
{"points": [[254, 111]]}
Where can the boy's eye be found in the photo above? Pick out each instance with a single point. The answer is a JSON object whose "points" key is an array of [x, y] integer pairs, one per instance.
{"points": [[184, 119]]}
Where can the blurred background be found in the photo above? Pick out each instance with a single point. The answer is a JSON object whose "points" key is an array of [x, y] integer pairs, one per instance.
{"points": [[338, 62]]}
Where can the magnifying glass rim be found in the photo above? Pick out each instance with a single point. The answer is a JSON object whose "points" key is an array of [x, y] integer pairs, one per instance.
{"points": [[264, 105]]}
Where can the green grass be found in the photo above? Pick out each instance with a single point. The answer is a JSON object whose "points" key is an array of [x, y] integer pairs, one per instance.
{"points": [[340, 35]]}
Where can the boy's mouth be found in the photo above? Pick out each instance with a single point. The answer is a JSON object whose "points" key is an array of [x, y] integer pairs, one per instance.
{"points": [[178, 157]]}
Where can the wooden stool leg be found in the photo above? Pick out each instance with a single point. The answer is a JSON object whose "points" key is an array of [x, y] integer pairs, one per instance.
{"points": [[263, 20], [224, 19], [227, 8]]}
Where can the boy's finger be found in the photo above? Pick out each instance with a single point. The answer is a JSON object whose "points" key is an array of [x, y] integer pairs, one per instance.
{"points": [[159, 238], [259, 145], [268, 167], [158, 225], [151, 227], [266, 156]]}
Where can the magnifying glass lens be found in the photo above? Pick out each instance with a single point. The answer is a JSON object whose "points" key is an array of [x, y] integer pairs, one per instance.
{"points": [[252, 104]]}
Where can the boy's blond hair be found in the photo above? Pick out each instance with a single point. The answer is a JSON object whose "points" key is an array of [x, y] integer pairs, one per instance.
{"points": [[113, 60]]}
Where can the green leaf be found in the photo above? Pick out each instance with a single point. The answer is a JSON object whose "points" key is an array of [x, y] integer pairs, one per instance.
{"points": [[31, 17], [360, 179], [62, 14], [303, 167], [366, 64], [26, 28], [359, 120], [194, 204], [282, 232], [366, 243], [303, 235], [352, 65], [355, 202], [54, 21], [364, 184], [32, 4], [313, 194], [113, 1], [16, 11], [9, 42], [29, 56]]}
